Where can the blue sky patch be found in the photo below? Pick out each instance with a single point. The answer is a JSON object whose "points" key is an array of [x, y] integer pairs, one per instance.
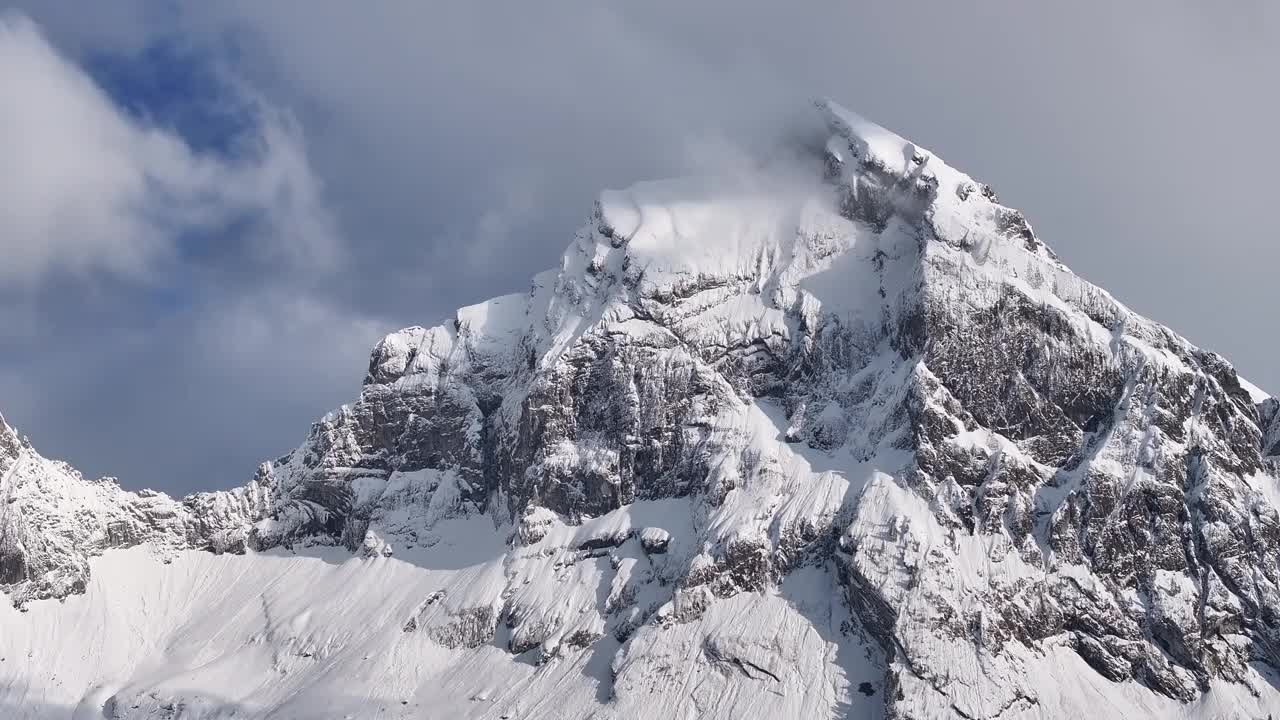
{"points": [[177, 87]]}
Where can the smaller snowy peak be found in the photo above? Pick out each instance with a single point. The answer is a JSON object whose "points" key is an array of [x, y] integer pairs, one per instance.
{"points": [[10, 444], [483, 333], [871, 143], [495, 325], [1257, 394], [884, 174], [53, 521], [857, 144], [410, 351], [394, 352], [1268, 407]]}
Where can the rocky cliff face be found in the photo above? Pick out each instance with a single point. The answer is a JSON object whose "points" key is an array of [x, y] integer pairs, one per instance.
{"points": [[867, 368]]}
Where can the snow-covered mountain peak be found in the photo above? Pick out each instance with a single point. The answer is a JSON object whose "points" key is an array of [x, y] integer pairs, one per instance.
{"points": [[859, 143], [846, 439], [10, 443]]}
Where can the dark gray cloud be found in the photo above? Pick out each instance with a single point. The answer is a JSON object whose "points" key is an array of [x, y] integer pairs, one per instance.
{"points": [[458, 147]]}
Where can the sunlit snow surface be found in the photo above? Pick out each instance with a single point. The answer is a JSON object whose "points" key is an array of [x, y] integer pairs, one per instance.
{"points": [[321, 634], [450, 610]]}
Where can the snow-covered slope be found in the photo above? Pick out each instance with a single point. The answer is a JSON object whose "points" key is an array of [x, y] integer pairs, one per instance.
{"points": [[838, 440]]}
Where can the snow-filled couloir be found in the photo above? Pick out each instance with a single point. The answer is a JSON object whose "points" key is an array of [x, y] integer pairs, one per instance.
{"points": [[843, 440]]}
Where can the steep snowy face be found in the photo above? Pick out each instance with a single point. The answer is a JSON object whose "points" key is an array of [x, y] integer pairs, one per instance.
{"points": [[858, 398], [1269, 413], [1098, 482]]}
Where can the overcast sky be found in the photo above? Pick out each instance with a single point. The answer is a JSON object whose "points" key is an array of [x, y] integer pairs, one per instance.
{"points": [[209, 213]]}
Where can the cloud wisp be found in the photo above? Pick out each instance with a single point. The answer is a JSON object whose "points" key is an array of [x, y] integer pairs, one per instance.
{"points": [[87, 188]]}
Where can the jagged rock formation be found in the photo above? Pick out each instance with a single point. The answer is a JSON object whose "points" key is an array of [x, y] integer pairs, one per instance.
{"points": [[53, 520], [873, 381]]}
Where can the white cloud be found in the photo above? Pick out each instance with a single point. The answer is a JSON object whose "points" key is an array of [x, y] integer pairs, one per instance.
{"points": [[87, 188]]}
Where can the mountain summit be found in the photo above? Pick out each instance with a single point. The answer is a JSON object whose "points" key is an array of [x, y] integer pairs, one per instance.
{"points": [[846, 441]]}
